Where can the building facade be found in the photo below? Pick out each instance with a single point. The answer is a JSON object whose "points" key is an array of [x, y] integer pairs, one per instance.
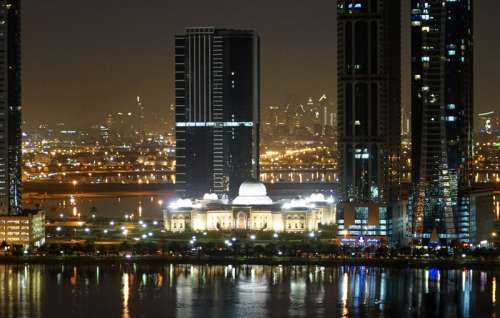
{"points": [[485, 214], [369, 102], [251, 210], [368, 224], [217, 110], [442, 117], [10, 107], [26, 229]]}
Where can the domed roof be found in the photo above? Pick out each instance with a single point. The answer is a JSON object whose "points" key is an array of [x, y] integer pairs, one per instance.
{"points": [[183, 204], [320, 198], [297, 203], [317, 197], [252, 188], [210, 197], [252, 193]]}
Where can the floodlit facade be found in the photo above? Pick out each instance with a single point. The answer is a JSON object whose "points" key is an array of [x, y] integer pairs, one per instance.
{"points": [[251, 210], [26, 229]]}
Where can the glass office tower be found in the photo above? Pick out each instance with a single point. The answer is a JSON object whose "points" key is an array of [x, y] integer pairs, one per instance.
{"points": [[10, 107], [442, 117], [369, 99], [217, 110]]}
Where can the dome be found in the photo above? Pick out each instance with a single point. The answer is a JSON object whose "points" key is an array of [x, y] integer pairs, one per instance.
{"points": [[252, 193], [210, 197], [297, 203], [320, 198], [183, 204], [317, 197], [252, 188]]}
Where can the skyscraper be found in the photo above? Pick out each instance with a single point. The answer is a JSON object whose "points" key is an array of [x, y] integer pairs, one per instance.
{"points": [[369, 101], [10, 107], [442, 116], [217, 110]]}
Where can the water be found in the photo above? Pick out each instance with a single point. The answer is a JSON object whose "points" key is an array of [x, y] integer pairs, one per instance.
{"points": [[148, 207], [298, 177], [132, 290]]}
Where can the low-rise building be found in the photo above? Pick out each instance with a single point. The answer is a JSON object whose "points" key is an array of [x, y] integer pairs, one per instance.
{"points": [[26, 229], [363, 224], [251, 210], [485, 215]]}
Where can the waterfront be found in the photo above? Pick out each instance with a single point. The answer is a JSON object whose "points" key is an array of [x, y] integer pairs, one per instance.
{"points": [[142, 290], [146, 207]]}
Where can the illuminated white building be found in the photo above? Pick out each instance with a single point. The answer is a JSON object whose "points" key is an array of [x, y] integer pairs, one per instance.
{"points": [[251, 210], [27, 229]]}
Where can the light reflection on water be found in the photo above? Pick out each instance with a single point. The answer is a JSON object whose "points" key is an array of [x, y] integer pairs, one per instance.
{"points": [[107, 207], [298, 177], [236, 291]]}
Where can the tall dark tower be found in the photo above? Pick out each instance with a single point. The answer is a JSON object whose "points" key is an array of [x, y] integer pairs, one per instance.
{"points": [[442, 116], [369, 99], [217, 110], [10, 107]]}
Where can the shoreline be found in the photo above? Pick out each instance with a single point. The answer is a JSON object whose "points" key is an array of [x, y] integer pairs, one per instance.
{"points": [[478, 264]]}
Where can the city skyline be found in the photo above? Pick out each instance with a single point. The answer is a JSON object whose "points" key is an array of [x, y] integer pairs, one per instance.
{"points": [[118, 69], [115, 210]]}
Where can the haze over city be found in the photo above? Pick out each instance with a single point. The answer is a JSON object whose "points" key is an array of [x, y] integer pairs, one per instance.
{"points": [[84, 61]]}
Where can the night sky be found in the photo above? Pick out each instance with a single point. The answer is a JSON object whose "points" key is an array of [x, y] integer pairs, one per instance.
{"points": [[82, 59]]}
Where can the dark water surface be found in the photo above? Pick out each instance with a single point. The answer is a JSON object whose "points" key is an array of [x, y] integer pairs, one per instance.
{"points": [[146, 207], [130, 290]]}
